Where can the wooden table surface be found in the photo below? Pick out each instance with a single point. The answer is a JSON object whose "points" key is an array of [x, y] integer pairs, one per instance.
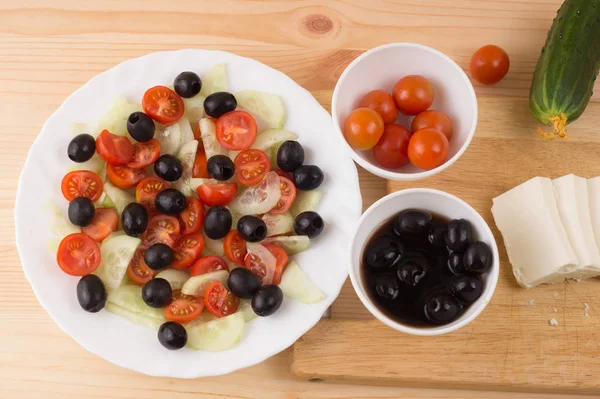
{"points": [[48, 48]]}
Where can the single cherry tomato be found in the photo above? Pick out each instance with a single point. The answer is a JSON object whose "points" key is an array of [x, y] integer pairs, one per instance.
{"points": [[163, 105], [219, 300], [283, 173], [236, 130], [82, 183], [183, 308], [145, 154], [78, 254], [192, 217], [363, 128], [137, 270], [382, 102], [435, 120], [115, 150], [217, 194], [413, 94], [187, 249], [251, 166], [489, 64], [288, 195], [428, 149], [259, 267], [161, 229], [199, 169], [235, 247], [105, 221], [282, 261], [392, 149], [208, 264], [146, 191], [124, 177]]}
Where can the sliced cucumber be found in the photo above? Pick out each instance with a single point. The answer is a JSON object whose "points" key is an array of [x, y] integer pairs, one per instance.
{"points": [[271, 137], [204, 317], [296, 284], [116, 253], [187, 134], [115, 120], [107, 202], [176, 278], [120, 198], [137, 318], [246, 310], [61, 226], [217, 335], [197, 285], [130, 297], [214, 80], [278, 224], [169, 138], [292, 245], [214, 246], [194, 108], [186, 155], [95, 164], [306, 201], [116, 234], [268, 107], [209, 139], [78, 128], [196, 182]]}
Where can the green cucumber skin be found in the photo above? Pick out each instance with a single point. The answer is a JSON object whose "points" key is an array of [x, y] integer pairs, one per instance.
{"points": [[566, 71]]}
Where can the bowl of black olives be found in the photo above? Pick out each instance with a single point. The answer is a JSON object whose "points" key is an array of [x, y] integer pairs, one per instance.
{"points": [[423, 261]]}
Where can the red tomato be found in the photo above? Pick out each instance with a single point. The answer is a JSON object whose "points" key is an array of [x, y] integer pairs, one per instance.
{"points": [[489, 64], [219, 300], [288, 195], [197, 134], [105, 221], [257, 266], [137, 270], [435, 120], [208, 264], [115, 150], [428, 149], [192, 217], [187, 249], [392, 149], [413, 94], [235, 247], [217, 194], [124, 177], [283, 173], [382, 102], [78, 254], [184, 308], [82, 183], [163, 105], [251, 166], [146, 191], [363, 128], [199, 169], [145, 154], [282, 261], [161, 229], [236, 130]]}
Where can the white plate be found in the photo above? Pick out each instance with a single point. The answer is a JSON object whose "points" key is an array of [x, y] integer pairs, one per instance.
{"points": [[117, 339]]}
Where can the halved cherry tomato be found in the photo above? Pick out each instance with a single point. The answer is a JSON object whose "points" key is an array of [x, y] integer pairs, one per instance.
{"points": [[382, 102], [199, 169], [433, 119], [428, 149], [186, 250], [489, 64], [145, 154], [413, 94], [105, 221], [138, 271], [217, 194], [257, 266], [184, 308], [115, 150], [283, 173], [288, 195], [161, 229], [146, 191], [219, 300], [124, 177], [282, 261], [208, 264], [198, 134], [392, 149], [236, 130], [78, 254], [163, 105], [363, 128], [192, 217], [235, 247], [251, 166], [82, 183]]}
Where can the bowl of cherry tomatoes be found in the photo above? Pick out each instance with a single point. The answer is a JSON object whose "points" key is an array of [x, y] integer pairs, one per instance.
{"points": [[404, 111]]}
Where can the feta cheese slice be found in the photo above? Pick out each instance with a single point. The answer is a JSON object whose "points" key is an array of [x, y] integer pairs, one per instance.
{"points": [[594, 201]]}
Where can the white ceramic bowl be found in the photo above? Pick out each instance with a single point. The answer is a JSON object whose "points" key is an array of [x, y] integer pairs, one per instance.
{"points": [[437, 202], [380, 68]]}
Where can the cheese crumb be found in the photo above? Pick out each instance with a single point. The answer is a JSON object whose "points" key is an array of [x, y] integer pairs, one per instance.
{"points": [[531, 301], [556, 295], [586, 307], [553, 322], [555, 310]]}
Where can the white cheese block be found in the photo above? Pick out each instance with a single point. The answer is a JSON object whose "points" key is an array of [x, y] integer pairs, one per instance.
{"points": [[536, 242], [594, 200]]}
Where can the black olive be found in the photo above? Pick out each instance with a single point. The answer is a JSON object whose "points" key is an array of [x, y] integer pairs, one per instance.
{"points": [[170, 201], [220, 167], [437, 236], [159, 256], [383, 252], [219, 103], [81, 211], [243, 283], [141, 127], [466, 288], [157, 293], [134, 219], [290, 156], [441, 308], [459, 235], [172, 335], [187, 84], [455, 263], [386, 286], [168, 167], [309, 224], [478, 258], [252, 228], [308, 177], [91, 293], [267, 300], [81, 148], [217, 222], [410, 272], [412, 221]]}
